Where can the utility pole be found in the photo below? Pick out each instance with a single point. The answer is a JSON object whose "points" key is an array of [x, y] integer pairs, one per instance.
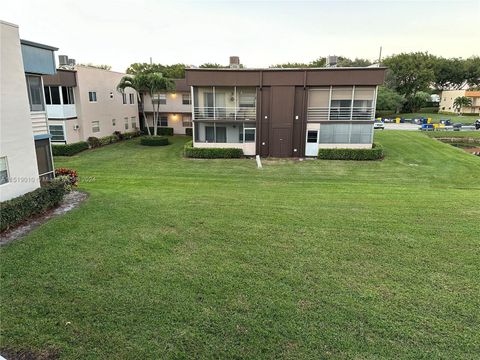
{"points": [[380, 56]]}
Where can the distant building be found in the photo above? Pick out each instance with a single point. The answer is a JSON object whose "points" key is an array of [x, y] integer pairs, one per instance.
{"points": [[284, 112], [175, 108], [448, 97], [83, 101], [25, 151]]}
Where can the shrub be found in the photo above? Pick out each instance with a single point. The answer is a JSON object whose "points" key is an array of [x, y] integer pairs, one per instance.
{"points": [[211, 153], [189, 131], [33, 203], [130, 135], [154, 140], [71, 175], [106, 140], [375, 153], [118, 135], [93, 142], [164, 131], [69, 149], [429, 110]]}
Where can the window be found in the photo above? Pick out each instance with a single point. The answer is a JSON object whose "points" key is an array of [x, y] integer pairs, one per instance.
{"points": [[312, 136], [57, 132], [124, 98], [126, 123], [3, 170], [162, 99], [92, 96], [131, 98], [246, 97], [95, 126], [113, 122], [35, 93], [44, 157], [134, 122], [67, 94], [346, 133], [186, 120], [186, 100], [163, 120], [249, 135]]}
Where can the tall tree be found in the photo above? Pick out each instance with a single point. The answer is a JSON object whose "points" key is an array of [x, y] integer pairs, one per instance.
{"points": [[156, 84], [472, 71], [389, 99], [410, 73], [212, 66], [450, 74], [175, 71]]}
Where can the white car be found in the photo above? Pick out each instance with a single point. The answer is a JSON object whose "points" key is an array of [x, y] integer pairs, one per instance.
{"points": [[378, 125]]}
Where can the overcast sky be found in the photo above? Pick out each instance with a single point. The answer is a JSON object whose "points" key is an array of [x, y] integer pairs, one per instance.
{"points": [[262, 33]]}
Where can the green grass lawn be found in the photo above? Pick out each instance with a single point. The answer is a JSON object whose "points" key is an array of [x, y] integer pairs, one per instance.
{"points": [[454, 134], [180, 258], [437, 117]]}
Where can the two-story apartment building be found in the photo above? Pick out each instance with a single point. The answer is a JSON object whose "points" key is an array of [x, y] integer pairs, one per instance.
{"points": [[284, 112], [25, 152], [175, 108], [83, 101], [448, 97]]}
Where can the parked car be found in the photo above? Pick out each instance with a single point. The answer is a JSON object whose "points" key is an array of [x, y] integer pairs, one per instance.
{"points": [[379, 125], [477, 124], [457, 126]]}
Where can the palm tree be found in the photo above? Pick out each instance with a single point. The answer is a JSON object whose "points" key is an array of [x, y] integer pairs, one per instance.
{"points": [[139, 84], [151, 84], [461, 102]]}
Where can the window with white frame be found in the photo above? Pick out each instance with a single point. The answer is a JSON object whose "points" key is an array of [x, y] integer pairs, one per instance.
{"points": [[163, 120], [187, 120], [57, 132], [186, 99], [35, 92], [126, 123], [92, 96], [95, 126], [67, 95], [52, 95], [133, 120], [162, 99], [347, 133], [131, 98], [3, 170], [249, 135], [124, 98]]}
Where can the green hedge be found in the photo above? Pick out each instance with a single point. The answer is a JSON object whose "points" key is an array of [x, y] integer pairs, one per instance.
{"points": [[106, 140], [14, 211], [130, 135], [375, 153], [211, 153], [69, 149], [189, 131], [164, 131], [154, 140], [429, 110]]}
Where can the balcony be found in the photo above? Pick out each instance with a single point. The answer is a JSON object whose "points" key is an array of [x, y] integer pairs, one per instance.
{"points": [[61, 111], [340, 113], [225, 113]]}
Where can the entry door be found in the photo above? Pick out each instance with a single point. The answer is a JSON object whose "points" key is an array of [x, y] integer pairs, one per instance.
{"points": [[282, 142], [311, 147]]}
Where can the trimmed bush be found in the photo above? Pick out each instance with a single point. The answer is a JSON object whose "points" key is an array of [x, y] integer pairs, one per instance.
{"points": [[189, 131], [211, 153], [130, 135], [163, 131], [429, 110], [106, 140], [14, 211], [375, 153], [93, 142], [70, 174], [69, 149], [154, 140]]}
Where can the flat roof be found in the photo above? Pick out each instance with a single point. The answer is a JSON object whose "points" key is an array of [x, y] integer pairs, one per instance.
{"points": [[37, 45], [291, 69]]}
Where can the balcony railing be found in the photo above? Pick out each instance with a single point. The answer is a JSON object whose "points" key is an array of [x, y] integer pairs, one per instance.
{"points": [[225, 113], [340, 113]]}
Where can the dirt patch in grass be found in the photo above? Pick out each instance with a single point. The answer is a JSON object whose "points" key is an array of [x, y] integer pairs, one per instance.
{"points": [[10, 354], [72, 200]]}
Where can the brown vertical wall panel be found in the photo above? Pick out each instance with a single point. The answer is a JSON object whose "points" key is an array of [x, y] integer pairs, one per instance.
{"points": [[264, 123], [298, 122], [281, 121]]}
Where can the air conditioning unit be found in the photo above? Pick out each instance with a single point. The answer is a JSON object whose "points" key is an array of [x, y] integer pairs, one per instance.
{"points": [[76, 127], [62, 60], [332, 61], [71, 62]]}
